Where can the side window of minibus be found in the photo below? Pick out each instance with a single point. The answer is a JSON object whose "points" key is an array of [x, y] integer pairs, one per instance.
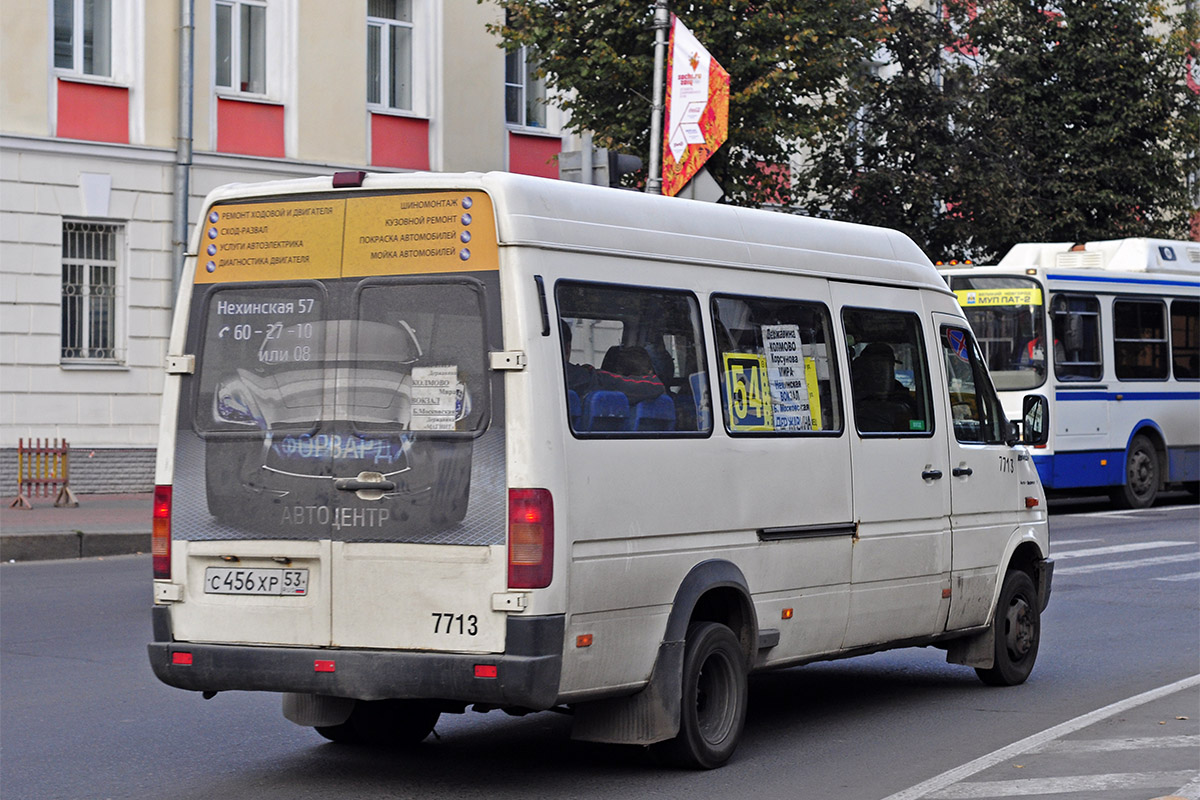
{"points": [[633, 361], [777, 371], [974, 406], [889, 373]]}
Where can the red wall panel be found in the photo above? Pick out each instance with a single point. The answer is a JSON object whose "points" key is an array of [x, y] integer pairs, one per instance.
{"points": [[252, 129], [533, 155], [93, 112], [399, 142]]}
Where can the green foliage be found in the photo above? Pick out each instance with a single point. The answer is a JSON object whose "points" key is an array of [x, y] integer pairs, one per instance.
{"points": [[788, 61], [1030, 122]]}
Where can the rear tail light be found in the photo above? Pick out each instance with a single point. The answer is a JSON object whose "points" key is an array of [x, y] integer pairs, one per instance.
{"points": [[530, 538], [160, 532]]}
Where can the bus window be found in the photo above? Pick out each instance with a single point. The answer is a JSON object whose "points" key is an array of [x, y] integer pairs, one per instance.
{"points": [[1076, 326], [633, 360], [888, 371], [1139, 340], [1185, 339], [1006, 315], [776, 372], [974, 405]]}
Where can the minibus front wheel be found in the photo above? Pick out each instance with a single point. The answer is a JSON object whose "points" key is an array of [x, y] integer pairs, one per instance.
{"points": [[1017, 631], [713, 703]]}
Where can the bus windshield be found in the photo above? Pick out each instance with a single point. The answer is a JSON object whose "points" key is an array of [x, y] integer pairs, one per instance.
{"points": [[1009, 323]]}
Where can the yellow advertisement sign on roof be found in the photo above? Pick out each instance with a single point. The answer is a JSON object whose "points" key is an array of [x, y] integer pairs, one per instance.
{"points": [[398, 234]]}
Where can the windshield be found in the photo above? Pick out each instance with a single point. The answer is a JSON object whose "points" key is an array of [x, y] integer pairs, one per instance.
{"points": [[1009, 322]]}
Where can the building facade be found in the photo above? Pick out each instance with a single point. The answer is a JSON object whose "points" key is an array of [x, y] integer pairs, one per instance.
{"points": [[90, 155]]}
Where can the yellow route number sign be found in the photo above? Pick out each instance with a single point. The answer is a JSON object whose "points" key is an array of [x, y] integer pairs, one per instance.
{"points": [[747, 392]]}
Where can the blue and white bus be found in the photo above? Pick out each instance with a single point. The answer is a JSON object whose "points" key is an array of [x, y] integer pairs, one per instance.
{"points": [[1121, 371]]}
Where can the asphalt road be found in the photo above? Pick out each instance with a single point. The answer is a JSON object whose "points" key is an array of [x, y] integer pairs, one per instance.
{"points": [[81, 715]]}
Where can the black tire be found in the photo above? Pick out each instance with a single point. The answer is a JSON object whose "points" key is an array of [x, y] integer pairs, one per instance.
{"points": [[714, 697], [386, 723], [1017, 632], [1142, 476]]}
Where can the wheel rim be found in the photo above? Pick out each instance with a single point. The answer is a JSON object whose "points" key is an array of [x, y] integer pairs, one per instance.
{"points": [[1141, 473], [715, 711], [1019, 629]]}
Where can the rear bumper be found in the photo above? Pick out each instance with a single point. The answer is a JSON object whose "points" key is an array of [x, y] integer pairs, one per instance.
{"points": [[527, 673]]}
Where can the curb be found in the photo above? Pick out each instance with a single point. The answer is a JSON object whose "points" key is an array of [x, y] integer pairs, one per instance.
{"points": [[73, 544]]}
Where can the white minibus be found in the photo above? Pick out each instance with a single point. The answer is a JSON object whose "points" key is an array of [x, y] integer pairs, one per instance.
{"points": [[1122, 373], [438, 442]]}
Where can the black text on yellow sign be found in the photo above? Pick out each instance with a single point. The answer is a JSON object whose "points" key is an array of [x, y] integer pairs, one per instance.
{"points": [[747, 392], [396, 234]]}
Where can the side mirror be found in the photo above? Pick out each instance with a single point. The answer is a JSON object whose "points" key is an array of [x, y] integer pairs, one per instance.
{"points": [[1035, 420]]}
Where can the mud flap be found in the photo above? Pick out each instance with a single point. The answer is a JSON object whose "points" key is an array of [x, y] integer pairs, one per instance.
{"points": [[973, 651], [651, 715]]}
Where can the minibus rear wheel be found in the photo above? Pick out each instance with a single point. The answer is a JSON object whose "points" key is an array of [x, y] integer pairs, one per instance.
{"points": [[1017, 631], [713, 703], [388, 723]]}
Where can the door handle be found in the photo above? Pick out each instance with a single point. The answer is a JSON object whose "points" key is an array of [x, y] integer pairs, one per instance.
{"points": [[932, 474], [962, 472], [355, 485]]}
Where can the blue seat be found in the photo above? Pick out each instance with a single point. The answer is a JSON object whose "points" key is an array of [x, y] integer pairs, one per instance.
{"points": [[574, 407], [604, 411], [653, 415]]}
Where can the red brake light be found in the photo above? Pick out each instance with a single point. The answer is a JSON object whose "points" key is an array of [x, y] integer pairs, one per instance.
{"points": [[160, 532], [530, 538]]}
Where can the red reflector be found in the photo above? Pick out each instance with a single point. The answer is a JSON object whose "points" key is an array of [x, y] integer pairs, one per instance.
{"points": [[583, 640], [1031, 502], [160, 532], [324, 666], [346, 180], [181, 659], [530, 538], [486, 671]]}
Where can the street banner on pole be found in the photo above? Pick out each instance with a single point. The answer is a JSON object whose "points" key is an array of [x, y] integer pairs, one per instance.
{"points": [[697, 108]]}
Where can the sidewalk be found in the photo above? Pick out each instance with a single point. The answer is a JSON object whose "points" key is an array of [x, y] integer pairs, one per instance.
{"points": [[101, 525]]}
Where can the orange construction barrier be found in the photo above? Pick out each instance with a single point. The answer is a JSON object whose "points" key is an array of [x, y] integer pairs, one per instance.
{"points": [[43, 470]]}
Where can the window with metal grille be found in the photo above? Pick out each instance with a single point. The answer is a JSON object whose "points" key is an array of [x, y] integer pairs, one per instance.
{"points": [[89, 292]]}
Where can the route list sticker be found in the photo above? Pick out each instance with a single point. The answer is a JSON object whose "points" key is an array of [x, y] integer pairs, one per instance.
{"points": [[433, 398], [786, 378]]}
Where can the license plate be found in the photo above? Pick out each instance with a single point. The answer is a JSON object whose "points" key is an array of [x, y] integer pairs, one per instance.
{"points": [[268, 581]]}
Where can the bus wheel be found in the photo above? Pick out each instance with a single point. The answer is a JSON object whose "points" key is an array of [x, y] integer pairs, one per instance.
{"points": [[713, 705], [1141, 476], [1017, 628], [388, 723]]}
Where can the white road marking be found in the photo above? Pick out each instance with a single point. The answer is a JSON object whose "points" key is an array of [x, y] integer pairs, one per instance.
{"points": [[1191, 510], [1187, 576], [959, 773], [1084, 569], [1116, 745], [1131, 547], [1024, 787]]}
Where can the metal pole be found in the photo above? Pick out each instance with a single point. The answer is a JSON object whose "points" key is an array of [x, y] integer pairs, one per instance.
{"points": [[662, 21], [183, 142]]}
